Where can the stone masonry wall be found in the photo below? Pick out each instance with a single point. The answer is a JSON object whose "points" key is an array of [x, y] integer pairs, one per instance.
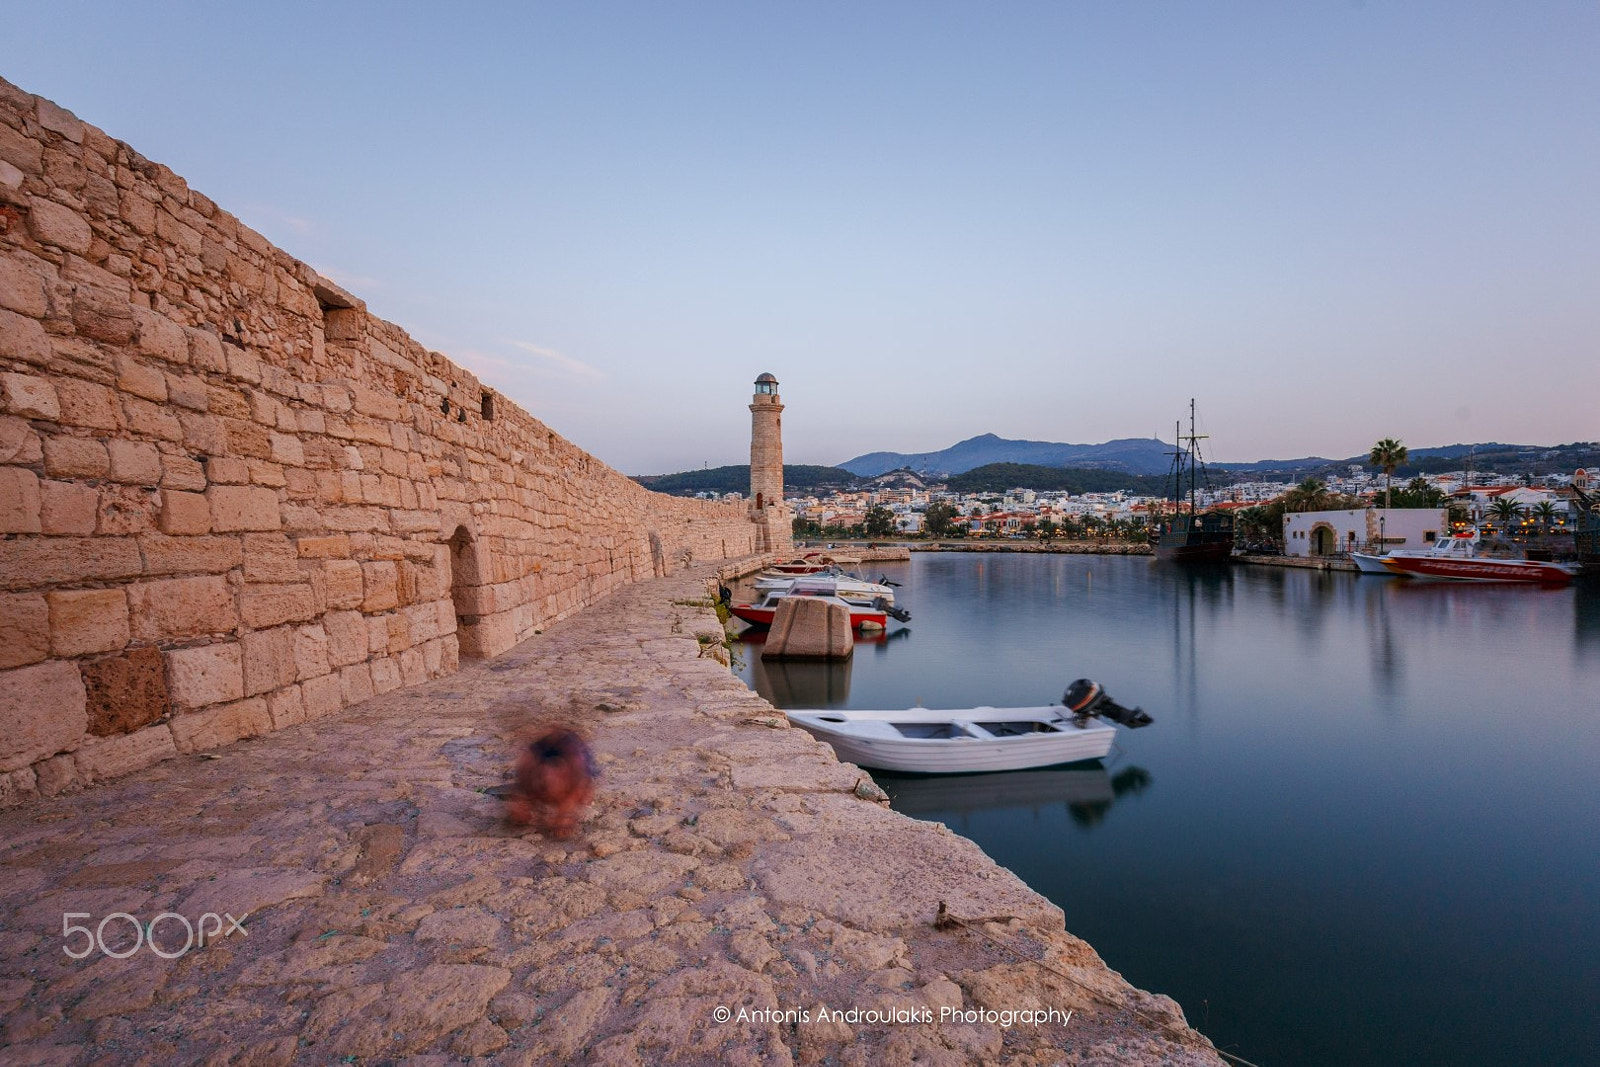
{"points": [[232, 500]]}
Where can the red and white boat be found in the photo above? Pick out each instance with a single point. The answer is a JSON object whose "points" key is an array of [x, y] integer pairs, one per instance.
{"points": [[1458, 559], [867, 611]]}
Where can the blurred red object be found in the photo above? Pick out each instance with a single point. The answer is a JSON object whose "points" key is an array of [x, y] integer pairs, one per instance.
{"points": [[555, 779]]}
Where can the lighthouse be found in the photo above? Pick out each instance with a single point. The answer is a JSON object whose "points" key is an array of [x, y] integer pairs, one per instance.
{"points": [[767, 511]]}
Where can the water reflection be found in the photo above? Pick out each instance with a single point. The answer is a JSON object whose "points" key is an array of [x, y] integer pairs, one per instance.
{"points": [[798, 683], [793, 683], [1083, 791]]}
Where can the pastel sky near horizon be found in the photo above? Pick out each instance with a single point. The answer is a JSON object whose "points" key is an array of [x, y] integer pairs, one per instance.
{"points": [[1328, 222]]}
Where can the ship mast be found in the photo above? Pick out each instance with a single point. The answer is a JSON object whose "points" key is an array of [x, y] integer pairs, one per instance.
{"points": [[1193, 450]]}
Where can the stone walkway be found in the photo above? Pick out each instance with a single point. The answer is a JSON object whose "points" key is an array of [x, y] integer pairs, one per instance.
{"points": [[390, 914]]}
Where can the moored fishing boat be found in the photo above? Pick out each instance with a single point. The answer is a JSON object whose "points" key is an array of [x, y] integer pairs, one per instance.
{"points": [[959, 741], [868, 610]]}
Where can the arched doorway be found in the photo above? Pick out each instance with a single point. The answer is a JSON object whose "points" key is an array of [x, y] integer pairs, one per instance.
{"points": [[1324, 542]]}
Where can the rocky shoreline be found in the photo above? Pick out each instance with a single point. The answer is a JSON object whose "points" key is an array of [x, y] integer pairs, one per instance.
{"points": [[729, 864]]}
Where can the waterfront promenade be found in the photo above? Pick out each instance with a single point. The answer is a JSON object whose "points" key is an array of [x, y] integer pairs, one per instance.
{"points": [[728, 863]]}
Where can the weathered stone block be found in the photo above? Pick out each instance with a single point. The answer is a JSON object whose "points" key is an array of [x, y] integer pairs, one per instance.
{"points": [[29, 396], [125, 510], [67, 508], [136, 378], [321, 696], [266, 605], [268, 660], [24, 339], [103, 315], [75, 457], [398, 635], [160, 337], [197, 731], [385, 675], [18, 441], [134, 462], [270, 557], [341, 583], [355, 683], [182, 473], [125, 692], [335, 547], [311, 652], [87, 620], [22, 286], [205, 349], [178, 555], [101, 758], [185, 513], [24, 629], [242, 507], [31, 562], [347, 637], [41, 712], [58, 773], [147, 419], [87, 404], [175, 608], [287, 707], [380, 581], [19, 501], [210, 674], [55, 224]]}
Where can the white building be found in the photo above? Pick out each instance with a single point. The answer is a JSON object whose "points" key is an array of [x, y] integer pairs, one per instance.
{"points": [[1328, 533]]}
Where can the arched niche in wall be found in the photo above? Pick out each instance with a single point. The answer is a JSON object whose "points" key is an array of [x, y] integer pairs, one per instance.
{"points": [[466, 581]]}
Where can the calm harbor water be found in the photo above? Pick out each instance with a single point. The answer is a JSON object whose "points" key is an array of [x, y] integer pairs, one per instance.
{"points": [[1363, 828]]}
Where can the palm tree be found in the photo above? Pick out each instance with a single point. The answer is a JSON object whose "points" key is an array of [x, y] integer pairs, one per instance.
{"points": [[1388, 454], [1506, 511], [1309, 495], [1545, 512]]}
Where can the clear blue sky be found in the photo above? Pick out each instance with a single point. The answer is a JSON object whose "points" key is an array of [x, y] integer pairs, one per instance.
{"points": [[1327, 221]]}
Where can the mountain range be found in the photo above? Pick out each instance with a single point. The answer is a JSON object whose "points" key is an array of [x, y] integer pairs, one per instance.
{"points": [[1149, 455]]}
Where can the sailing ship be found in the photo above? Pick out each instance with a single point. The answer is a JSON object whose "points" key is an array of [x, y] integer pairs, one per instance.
{"points": [[1185, 534]]}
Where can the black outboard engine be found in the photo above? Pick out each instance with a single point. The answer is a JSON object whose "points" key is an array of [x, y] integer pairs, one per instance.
{"points": [[1085, 698], [890, 610]]}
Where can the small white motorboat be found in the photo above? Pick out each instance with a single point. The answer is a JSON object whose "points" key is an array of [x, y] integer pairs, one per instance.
{"points": [[961, 741]]}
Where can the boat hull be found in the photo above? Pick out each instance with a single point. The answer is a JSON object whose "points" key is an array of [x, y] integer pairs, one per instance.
{"points": [[860, 618], [1214, 552], [883, 739], [1523, 571], [1368, 564]]}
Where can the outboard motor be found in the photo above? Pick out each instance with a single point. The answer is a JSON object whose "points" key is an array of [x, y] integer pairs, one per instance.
{"points": [[1085, 698], [900, 614]]}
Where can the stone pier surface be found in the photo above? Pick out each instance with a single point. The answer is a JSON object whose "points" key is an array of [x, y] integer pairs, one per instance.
{"points": [[388, 910]]}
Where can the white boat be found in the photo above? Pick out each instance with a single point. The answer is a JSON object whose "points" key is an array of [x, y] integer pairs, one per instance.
{"points": [[846, 586], [961, 741], [869, 609]]}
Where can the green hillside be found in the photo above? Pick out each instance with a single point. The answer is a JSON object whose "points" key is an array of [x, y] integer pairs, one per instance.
{"points": [[798, 477]]}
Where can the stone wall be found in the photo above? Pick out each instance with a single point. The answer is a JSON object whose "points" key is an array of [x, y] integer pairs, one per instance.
{"points": [[232, 500]]}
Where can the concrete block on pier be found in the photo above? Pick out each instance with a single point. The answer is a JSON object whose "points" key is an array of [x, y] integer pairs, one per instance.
{"points": [[809, 629]]}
